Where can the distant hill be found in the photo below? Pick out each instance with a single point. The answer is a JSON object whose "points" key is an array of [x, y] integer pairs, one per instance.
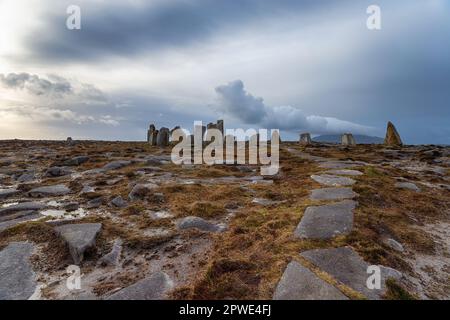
{"points": [[336, 138]]}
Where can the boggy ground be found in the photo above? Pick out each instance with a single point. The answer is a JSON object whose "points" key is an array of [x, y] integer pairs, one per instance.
{"points": [[248, 240]]}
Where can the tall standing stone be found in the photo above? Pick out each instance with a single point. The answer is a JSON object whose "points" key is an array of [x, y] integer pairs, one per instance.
{"points": [[305, 139], [162, 139], [150, 132], [220, 126], [347, 139], [153, 137], [392, 136]]}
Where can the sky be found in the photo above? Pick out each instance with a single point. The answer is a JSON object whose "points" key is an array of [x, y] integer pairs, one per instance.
{"points": [[294, 65]]}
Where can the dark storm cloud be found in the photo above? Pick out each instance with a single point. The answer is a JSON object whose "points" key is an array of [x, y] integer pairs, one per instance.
{"points": [[123, 29]]}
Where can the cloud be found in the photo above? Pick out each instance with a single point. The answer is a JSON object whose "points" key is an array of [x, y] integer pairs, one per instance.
{"points": [[234, 101], [36, 85]]}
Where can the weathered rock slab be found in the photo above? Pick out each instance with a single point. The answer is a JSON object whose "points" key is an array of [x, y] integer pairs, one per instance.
{"points": [[325, 222], [49, 191], [345, 172], [154, 287], [346, 266], [79, 238], [339, 165], [333, 181], [6, 193], [333, 194], [17, 278], [299, 283], [23, 206], [407, 185], [199, 223]]}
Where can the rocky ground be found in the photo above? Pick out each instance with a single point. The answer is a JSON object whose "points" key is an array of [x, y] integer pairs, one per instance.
{"points": [[141, 227]]}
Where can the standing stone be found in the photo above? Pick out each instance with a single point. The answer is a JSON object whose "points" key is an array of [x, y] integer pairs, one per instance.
{"points": [[162, 140], [392, 136], [150, 133], [305, 139], [153, 138], [70, 141], [220, 126], [347, 139]]}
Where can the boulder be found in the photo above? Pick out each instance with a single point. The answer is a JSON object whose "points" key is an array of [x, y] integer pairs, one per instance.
{"points": [[299, 283], [305, 139], [79, 238], [140, 191], [198, 223], [49, 191], [114, 165], [155, 287], [26, 177], [76, 161], [392, 136], [17, 278]]}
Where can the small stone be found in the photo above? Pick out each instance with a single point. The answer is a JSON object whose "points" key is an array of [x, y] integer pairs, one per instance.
{"points": [[26, 177], [333, 181], [57, 172], [95, 203], [198, 223], [119, 202], [140, 191], [79, 238], [408, 186], [397, 246], [113, 257], [71, 206], [116, 165], [17, 278], [154, 287], [299, 283], [48, 191]]}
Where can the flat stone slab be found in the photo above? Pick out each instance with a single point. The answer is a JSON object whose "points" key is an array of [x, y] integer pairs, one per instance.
{"points": [[48, 191], [79, 238], [325, 222], [6, 193], [299, 283], [408, 186], [345, 172], [154, 287], [23, 206], [340, 165], [13, 222], [346, 266], [333, 194], [199, 223], [116, 165], [332, 180], [17, 278]]}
